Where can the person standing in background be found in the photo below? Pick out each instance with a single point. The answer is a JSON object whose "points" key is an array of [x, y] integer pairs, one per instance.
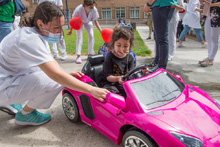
{"points": [[150, 24], [192, 20], [212, 30], [173, 29], [7, 11], [162, 11], [88, 13], [61, 43]]}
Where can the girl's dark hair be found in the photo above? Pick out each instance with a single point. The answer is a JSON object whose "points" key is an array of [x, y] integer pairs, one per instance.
{"points": [[88, 2], [45, 11], [121, 32]]}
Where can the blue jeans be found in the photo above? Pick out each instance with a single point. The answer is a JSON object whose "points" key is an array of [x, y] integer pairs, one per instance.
{"points": [[161, 18], [186, 30], [5, 29]]}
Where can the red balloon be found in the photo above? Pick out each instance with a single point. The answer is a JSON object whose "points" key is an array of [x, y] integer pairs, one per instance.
{"points": [[107, 35], [76, 23]]}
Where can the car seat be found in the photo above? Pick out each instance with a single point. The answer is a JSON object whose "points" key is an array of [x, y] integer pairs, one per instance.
{"points": [[93, 68]]}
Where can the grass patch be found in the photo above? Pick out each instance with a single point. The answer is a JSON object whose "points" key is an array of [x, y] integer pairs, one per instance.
{"points": [[139, 48]]}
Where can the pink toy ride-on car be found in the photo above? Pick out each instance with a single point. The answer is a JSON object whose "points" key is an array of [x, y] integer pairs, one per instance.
{"points": [[159, 110]]}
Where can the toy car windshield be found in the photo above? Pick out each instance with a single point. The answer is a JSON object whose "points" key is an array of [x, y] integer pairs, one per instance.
{"points": [[158, 90]]}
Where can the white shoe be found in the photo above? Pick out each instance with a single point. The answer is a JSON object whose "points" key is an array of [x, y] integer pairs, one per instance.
{"points": [[63, 57], [180, 45], [204, 45], [78, 60], [55, 56]]}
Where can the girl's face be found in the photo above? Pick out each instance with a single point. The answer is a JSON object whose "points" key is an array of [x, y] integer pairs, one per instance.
{"points": [[121, 47]]}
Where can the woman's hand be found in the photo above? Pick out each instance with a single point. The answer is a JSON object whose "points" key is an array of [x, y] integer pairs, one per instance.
{"points": [[69, 33], [99, 93], [77, 74]]}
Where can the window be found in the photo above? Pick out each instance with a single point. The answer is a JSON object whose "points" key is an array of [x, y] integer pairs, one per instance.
{"points": [[35, 1], [120, 12], [106, 13], [134, 12]]}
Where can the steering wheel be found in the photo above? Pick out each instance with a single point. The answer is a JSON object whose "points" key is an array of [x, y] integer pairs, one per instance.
{"points": [[131, 72]]}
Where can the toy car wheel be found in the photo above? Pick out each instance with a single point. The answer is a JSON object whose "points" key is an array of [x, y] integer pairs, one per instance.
{"points": [[136, 138], [70, 108]]}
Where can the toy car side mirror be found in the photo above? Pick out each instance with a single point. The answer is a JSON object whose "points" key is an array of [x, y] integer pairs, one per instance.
{"points": [[116, 100], [179, 78]]}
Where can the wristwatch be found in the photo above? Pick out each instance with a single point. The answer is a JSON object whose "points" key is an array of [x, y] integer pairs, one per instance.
{"points": [[148, 4]]}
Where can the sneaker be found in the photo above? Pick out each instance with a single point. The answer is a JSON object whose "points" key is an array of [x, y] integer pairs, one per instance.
{"points": [[55, 55], [207, 63], [78, 60], [153, 69], [148, 38], [34, 118], [180, 45], [63, 58], [151, 64], [11, 109], [204, 45], [203, 60]]}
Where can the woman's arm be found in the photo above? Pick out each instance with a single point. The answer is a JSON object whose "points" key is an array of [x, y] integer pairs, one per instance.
{"points": [[97, 25], [56, 73], [212, 4], [70, 31]]}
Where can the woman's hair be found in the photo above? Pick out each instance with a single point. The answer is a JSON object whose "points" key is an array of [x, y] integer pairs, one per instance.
{"points": [[88, 2], [45, 11], [121, 32]]}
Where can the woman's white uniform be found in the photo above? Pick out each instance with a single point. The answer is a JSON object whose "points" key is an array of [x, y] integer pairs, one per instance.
{"points": [[173, 29], [20, 77], [87, 22], [192, 17]]}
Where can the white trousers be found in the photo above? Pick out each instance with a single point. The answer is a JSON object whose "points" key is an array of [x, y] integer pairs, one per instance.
{"points": [[37, 88], [212, 35], [61, 45], [79, 38], [172, 38]]}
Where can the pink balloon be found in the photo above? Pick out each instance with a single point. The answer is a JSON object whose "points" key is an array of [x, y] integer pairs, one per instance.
{"points": [[76, 23], [107, 34]]}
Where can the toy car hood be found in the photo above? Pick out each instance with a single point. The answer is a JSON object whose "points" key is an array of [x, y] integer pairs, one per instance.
{"points": [[193, 117]]}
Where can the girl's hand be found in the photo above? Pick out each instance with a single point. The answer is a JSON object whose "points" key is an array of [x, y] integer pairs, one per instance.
{"points": [[120, 79], [77, 74], [145, 72], [99, 93]]}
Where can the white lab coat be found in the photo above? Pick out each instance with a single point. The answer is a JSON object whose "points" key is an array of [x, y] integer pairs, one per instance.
{"points": [[87, 23], [20, 77], [173, 29], [192, 17], [61, 43]]}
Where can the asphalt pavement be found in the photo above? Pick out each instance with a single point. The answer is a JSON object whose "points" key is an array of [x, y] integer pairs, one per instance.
{"points": [[60, 132]]}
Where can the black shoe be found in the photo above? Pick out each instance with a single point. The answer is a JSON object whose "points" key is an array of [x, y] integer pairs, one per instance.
{"points": [[153, 69], [151, 64]]}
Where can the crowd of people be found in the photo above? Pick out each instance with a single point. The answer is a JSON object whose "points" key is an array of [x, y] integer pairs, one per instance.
{"points": [[25, 56], [188, 15]]}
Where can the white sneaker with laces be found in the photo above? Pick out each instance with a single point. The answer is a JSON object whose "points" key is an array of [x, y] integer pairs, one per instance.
{"points": [[64, 57], [78, 60], [204, 45], [180, 45]]}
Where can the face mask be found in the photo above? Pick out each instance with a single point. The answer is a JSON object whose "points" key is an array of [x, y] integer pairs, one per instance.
{"points": [[52, 38], [91, 10]]}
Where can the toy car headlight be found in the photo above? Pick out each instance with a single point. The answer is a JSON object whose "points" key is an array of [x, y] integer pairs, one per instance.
{"points": [[188, 141], [216, 102]]}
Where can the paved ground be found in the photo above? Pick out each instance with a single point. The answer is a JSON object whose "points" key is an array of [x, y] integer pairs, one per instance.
{"points": [[61, 132]]}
